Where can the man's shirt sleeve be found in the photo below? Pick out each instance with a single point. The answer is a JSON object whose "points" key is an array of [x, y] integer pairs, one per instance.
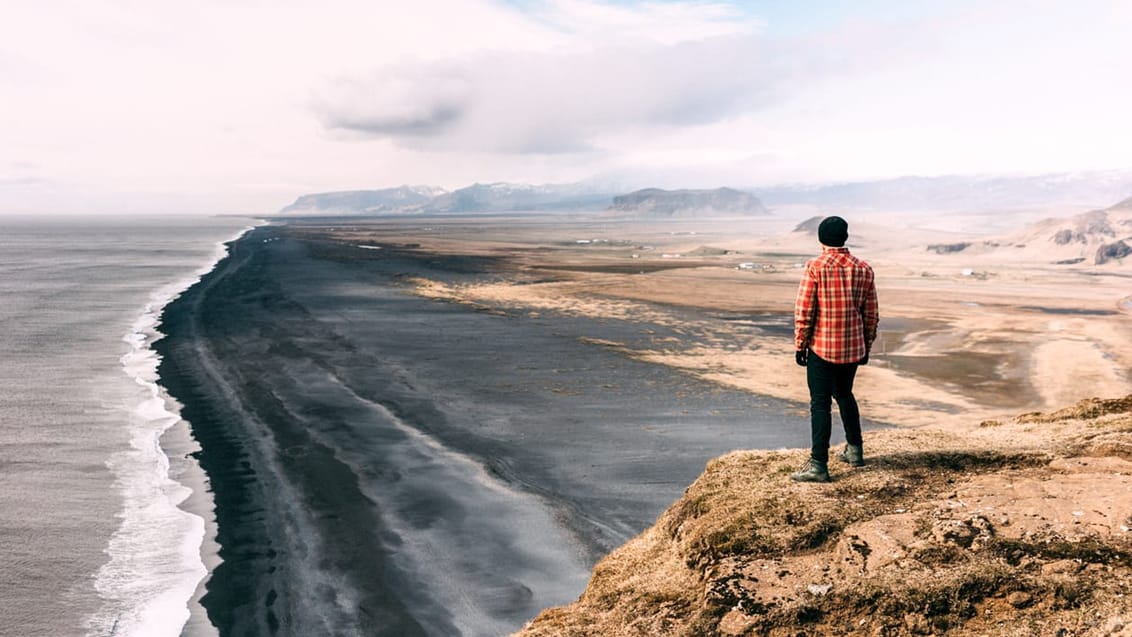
{"points": [[805, 309], [871, 312]]}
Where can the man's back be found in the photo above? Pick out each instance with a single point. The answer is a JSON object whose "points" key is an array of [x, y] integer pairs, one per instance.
{"points": [[835, 313]]}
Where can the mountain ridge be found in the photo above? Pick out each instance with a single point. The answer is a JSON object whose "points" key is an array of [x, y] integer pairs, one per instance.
{"points": [[909, 193]]}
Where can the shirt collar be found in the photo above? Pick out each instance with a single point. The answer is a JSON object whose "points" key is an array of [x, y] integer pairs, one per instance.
{"points": [[841, 249]]}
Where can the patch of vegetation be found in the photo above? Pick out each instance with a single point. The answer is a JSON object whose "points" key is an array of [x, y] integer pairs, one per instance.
{"points": [[1087, 409], [980, 461], [1070, 593], [817, 534], [1086, 551], [707, 622], [941, 554], [687, 508], [945, 600], [741, 537]]}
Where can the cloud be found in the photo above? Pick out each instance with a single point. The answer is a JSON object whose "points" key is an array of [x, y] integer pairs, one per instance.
{"points": [[536, 102], [663, 22], [615, 68], [396, 102], [113, 96]]}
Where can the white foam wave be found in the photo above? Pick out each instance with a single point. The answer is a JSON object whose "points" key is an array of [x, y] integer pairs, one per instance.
{"points": [[155, 563]]}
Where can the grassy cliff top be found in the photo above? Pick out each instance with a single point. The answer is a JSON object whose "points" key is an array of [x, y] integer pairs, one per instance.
{"points": [[1004, 528]]}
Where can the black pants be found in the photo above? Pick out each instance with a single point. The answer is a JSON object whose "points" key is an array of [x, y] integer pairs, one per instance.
{"points": [[828, 382]]}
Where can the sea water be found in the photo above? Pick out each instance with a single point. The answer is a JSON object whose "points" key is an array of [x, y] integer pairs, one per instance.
{"points": [[102, 511]]}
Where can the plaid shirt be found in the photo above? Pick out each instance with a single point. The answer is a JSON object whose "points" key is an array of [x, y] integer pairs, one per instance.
{"points": [[835, 313]]}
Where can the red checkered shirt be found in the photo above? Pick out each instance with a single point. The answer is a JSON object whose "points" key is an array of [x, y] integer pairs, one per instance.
{"points": [[835, 313]]}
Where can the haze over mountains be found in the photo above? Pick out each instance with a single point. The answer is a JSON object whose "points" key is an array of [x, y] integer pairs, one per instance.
{"points": [[506, 197], [960, 192], [654, 202], [1096, 237], [947, 193], [494, 197]]}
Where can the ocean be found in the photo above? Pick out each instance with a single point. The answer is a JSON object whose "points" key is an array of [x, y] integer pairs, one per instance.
{"points": [[92, 538]]}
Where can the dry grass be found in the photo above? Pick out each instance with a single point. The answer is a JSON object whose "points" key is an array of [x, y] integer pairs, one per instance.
{"points": [[913, 543]]}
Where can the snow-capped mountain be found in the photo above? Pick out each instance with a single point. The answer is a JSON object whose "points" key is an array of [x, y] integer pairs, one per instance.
{"points": [[504, 197], [364, 202]]}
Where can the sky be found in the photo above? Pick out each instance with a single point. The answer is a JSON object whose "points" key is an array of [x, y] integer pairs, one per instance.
{"points": [[240, 106]]}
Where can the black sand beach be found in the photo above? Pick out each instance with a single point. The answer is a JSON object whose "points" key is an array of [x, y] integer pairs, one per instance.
{"points": [[384, 464]]}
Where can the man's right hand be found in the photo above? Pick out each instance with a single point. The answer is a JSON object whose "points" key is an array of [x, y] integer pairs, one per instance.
{"points": [[801, 356]]}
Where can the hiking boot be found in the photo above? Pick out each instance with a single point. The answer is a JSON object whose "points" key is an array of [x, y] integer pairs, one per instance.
{"points": [[852, 454], [812, 471]]}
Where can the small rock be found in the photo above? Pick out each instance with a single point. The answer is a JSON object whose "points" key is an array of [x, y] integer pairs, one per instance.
{"points": [[1020, 599], [954, 531], [1114, 626], [917, 624], [819, 589], [735, 623], [1061, 567]]}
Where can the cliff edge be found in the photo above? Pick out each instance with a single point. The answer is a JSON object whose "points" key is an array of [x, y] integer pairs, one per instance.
{"points": [[1003, 528]]}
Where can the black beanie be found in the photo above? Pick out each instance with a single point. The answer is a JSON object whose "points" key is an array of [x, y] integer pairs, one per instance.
{"points": [[833, 231]]}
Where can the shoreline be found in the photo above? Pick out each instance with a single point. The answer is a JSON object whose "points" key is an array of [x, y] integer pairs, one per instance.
{"points": [[163, 492]]}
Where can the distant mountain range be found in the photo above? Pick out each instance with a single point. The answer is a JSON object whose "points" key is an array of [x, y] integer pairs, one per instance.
{"points": [[364, 202], [495, 197], [506, 197], [955, 192], [1096, 237], [1092, 238], [902, 194]]}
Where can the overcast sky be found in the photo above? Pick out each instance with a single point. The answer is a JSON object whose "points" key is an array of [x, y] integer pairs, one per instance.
{"points": [[239, 106]]}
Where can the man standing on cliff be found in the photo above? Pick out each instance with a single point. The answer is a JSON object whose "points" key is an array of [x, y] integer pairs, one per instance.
{"points": [[835, 324]]}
